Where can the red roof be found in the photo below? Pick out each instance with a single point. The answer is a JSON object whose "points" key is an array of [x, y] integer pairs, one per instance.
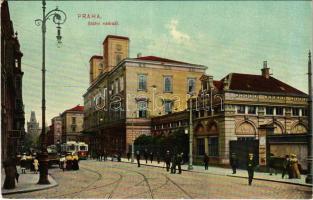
{"points": [[258, 83], [116, 37], [96, 56], [159, 59], [76, 108]]}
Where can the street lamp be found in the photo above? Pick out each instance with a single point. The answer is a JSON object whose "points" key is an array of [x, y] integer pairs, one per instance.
{"points": [[309, 176], [133, 142], [190, 167], [58, 17]]}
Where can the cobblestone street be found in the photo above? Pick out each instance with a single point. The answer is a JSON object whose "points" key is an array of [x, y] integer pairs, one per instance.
{"points": [[122, 180]]}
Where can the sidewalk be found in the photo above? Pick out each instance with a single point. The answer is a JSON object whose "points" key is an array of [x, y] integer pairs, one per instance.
{"points": [[228, 172], [26, 183]]}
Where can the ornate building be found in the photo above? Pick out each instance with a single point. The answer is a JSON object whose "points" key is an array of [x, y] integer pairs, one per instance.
{"points": [[234, 109], [33, 125], [72, 123], [12, 107], [124, 93]]}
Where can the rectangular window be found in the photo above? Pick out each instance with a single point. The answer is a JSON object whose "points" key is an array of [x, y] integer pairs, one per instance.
{"points": [[200, 146], [295, 111], [279, 111], [213, 146], [191, 85], [251, 109], [269, 111], [73, 120], [142, 82], [305, 112], [240, 109], [168, 84], [142, 109], [168, 106]]}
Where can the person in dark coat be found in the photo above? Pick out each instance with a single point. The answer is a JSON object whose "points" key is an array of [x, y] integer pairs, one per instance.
{"points": [[10, 173], [206, 161], [179, 160], [138, 158], [286, 166], [271, 165], [167, 160], [174, 161], [128, 156], [233, 162], [151, 156], [250, 167], [146, 155], [158, 157]]}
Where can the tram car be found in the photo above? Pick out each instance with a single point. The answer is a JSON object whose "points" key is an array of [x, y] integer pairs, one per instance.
{"points": [[79, 148]]}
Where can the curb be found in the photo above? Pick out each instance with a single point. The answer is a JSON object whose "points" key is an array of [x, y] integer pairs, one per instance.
{"points": [[229, 175], [51, 185]]}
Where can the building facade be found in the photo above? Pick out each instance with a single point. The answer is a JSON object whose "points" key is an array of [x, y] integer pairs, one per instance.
{"points": [[128, 92], [234, 110], [72, 123], [56, 128], [12, 107]]}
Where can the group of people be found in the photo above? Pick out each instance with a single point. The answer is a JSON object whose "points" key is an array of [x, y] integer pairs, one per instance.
{"points": [[172, 162], [29, 162], [291, 167], [69, 162]]}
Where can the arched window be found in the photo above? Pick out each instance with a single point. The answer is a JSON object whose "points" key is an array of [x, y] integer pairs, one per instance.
{"points": [[167, 83]]}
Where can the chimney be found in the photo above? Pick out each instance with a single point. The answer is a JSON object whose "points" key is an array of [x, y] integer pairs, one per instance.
{"points": [[265, 70], [139, 55]]}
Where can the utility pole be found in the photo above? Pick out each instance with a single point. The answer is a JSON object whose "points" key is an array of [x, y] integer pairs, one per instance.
{"points": [[309, 135], [190, 167]]}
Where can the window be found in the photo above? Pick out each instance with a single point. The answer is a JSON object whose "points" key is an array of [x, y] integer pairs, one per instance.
{"points": [[142, 109], [251, 109], [305, 112], [73, 129], [168, 106], [213, 146], [241, 109], [142, 82], [295, 111], [167, 84], [200, 146], [269, 111], [121, 79], [191, 85], [279, 111], [73, 120]]}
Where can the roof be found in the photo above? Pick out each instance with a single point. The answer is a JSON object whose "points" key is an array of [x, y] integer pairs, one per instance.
{"points": [[258, 83], [77, 108], [159, 59], [116, 37], [96, 56]]}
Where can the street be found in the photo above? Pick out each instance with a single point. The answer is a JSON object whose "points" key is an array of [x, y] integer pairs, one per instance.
{"points": [[108, 179]]}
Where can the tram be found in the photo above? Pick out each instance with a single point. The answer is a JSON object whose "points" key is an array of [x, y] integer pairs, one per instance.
{"points": [[79, 148]]}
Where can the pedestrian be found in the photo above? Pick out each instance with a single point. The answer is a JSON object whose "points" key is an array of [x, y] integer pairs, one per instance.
{"points": [[23, 163], [286, 166], [233, 162], [62, 162], [158, 157], [167, 160], [179, 160], [128, 156], [271, 165], [151, 156], [138, 158], [294, 167], [146, 155], [173, 167], [36, 166], [206, 161], [250, 167]]}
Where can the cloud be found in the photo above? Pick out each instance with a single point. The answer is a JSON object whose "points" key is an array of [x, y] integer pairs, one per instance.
{"points": [[177, 35]]}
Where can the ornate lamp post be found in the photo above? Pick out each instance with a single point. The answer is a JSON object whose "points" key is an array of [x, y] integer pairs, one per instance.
{"points": [[309, 176], [58, 17], [190, 167]]}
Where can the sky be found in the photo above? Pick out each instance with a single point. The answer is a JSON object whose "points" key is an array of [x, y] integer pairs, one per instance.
{"points": [[225, 36]]}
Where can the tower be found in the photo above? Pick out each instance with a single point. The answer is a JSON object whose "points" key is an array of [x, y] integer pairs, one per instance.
{"points": [[96, 67], [115, 49], [33, 125]]}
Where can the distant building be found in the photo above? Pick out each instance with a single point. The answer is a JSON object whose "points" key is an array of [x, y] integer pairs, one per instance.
{"points": [[125, 93], [12, 107], [33, 125], [72, 123]]}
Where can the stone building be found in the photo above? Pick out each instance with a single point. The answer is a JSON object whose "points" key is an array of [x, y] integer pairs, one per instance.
{"points": [[124, 93], [56, 129], [72, 123], [12, 107], [232, 111]]}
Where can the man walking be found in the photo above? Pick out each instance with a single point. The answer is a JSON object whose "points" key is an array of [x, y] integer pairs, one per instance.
{"points": [[250, 167], [174, 161], [151, 156], [286, 166], [206, 161], [146, 155], [167, 160], [233, 162], [138, 158], [179, 160]]}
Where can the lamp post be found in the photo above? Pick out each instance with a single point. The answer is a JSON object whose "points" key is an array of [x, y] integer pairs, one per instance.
{"points": [[190, 167], [58, 17], [133, 142], [308, 179]]}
